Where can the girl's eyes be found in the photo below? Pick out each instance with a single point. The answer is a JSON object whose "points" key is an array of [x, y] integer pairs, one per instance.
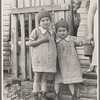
{"points": [[62, 30], [45, 20]]}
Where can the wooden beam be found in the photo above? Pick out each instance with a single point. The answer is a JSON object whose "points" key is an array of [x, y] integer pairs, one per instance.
{"points": [[29, 50], [91, 75], [14, 38], [38, 8], [85, 95], [23, 51], [90, 82]]}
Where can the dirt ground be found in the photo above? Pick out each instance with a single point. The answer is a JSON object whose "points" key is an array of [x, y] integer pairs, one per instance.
{"points": [[13, 91]]}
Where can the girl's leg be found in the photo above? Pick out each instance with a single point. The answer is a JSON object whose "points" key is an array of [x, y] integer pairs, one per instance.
{"points": [[57, 86], [73, 91], [72, 88], [44, 86], [44, 82], [37, 80]]}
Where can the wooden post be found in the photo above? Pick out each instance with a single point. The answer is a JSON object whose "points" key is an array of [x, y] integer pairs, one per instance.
{"points": [[28, 4], [14, 40], [69, 16], [60, 13], [23, 50], [36, 3]]}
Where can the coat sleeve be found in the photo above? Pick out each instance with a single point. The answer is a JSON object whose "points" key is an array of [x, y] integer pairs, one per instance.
{"points": [[33, 35], [76, 41]]}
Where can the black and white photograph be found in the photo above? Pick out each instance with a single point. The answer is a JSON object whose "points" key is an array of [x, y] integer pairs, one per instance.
{"points": [[50, 50]]}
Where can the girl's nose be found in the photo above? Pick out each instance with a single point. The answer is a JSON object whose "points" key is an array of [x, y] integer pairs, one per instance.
{"points": [[45, 21]]}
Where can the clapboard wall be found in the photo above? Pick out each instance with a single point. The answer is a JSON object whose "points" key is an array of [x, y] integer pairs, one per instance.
{"points": [[81, 33], [6, 34]]}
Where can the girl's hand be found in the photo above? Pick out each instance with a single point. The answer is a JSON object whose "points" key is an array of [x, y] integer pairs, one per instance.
{"points": [[92, 43], [45, 39], [89, 37]]}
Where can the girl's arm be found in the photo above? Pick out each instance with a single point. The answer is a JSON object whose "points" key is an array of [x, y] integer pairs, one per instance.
{"points": [[81, 42], [35, 43], [90, 20], [87, 42]]}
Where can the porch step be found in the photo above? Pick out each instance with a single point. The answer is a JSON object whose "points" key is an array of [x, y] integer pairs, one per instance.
{"points": [[92, 75], [90, 82], [87, 99], [51, 96]]}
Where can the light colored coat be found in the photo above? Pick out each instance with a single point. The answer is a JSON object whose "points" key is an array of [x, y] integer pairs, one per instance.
{"points": [[44, 55], [69, 68]]}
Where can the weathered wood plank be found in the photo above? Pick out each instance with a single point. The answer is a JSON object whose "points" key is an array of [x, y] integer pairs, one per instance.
{"points": [[51, 96], [6, 48], [38, 8], [23, 53], [5, 7], [5, 18], [87, 99], [5, 22], [20, 4], [6, 53], [14, 35], [29, 50], [91, 82], [6, 28], [85, 95], [6, 44], [47, 2], [69, 16], [83, 15], [81, 33], [6, 68], [6, 63], [6, 12], [42, 2], [6, 58], [82, 57], [6, 1], [37, 2], [5, 39], [5, 33], [56, 13], [61, 13], [83, 22], [85, 62], [80, 51], [91, 75], [33, 3]]}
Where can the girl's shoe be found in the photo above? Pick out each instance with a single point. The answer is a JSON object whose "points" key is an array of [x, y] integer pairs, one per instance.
{"points": [[57, 97], [43, 96], [75, 96], [91, 69], [35, 96], [40, 96]]}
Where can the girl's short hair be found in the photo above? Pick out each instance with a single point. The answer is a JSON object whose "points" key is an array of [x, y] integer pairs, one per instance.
{"points": [[43, 13], [62, 23]]}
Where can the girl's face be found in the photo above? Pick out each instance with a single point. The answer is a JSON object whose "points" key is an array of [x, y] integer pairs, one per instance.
{"points": [[62, 32], [76, 5], [45, 22]]}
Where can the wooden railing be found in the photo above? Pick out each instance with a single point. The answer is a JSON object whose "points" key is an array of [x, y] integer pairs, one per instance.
{"points": [[58, 9]]}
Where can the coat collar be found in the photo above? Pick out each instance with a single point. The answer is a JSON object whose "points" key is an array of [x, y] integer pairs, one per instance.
{"points": [[43, 31], [66, 38]]}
